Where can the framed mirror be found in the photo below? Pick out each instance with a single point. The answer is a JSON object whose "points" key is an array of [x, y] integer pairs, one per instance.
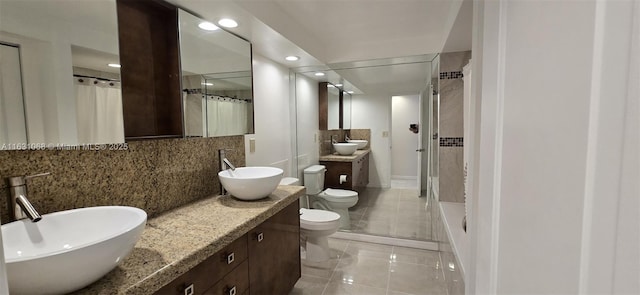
{"points": [[57, 88], [217, 84]]}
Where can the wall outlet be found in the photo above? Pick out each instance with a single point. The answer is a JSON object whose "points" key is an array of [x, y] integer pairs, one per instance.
{"points": [[385, 133], [252, 145]]}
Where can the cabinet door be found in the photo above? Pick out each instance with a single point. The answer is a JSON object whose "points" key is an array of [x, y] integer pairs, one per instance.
{"points": [[274, 253], [363, 175], [332, 175]]}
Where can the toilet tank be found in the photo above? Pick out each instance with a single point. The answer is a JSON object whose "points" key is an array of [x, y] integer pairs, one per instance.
{"points": [[314, 179]]}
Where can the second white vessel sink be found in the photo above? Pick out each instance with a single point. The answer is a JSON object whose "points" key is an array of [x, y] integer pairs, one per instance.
{"points": [[360, 142], [68, 250], [251, 183]]}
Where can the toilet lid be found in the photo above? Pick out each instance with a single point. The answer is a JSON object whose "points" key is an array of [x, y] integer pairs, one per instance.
{"points": [[340, 193], [315, 215]]}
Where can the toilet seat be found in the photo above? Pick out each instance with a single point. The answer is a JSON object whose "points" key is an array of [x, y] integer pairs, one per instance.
{"points": [[339, 195], [314, 219]]}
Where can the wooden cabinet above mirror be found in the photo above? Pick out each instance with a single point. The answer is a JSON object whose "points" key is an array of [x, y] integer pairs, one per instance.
{"points": [[334, 107]]}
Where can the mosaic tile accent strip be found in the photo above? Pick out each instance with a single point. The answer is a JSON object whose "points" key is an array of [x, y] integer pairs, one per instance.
{"points": [[451, 75], [452, 141], [154, 175]]}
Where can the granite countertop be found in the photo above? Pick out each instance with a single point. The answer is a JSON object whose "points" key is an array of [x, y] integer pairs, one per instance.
{"points": [[179, 239], [339, 158]]}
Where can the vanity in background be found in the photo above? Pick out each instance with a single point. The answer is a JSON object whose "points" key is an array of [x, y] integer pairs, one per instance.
{"points": [[355, 167]]}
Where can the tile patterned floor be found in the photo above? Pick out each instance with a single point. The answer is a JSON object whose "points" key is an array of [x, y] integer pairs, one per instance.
{"points": [[392, 212], [371, 269]]}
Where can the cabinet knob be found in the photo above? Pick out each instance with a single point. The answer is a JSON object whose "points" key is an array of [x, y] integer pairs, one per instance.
{"points": [[260, 237], [189, 290], [230, 258], [231, 291]]}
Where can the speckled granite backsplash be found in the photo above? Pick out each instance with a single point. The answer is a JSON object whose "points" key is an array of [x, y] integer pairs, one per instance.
{"points": [[154, 175]]}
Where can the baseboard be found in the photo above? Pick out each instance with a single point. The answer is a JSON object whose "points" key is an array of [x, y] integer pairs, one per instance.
{"points": [[425, 245], [401, 177]]}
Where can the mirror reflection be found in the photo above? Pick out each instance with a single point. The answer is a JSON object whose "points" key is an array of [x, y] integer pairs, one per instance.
{"points": [[216, 79], [57, 88], [390, 95]]}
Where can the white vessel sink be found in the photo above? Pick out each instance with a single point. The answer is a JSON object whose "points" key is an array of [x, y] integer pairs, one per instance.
{"points": [[360, 142], [250, 183], [68, 250], [345, 149]]}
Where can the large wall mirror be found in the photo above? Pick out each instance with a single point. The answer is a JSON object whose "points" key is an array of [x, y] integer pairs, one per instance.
{"points": [[56, 87], [216, 79]]}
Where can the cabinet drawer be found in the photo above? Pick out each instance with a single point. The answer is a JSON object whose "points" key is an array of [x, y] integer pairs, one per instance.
{"points": [[228, 258], [234, 283], [210, 271]]}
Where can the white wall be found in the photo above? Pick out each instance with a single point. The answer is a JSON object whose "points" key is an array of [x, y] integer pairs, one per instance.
{"points": [[374, 112], [271, 116], [308, 147], [553, 98], [404, 159]]}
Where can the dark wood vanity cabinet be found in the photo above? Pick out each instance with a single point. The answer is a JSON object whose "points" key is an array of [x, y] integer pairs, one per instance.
{"points": [[150, 59], [264, 261], [357, 173], [274, 253], [229, 262]]}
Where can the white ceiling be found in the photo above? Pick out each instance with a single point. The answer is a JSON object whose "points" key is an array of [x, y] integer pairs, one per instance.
{"points": [[321, 32], [347, 30], [338, 31]]}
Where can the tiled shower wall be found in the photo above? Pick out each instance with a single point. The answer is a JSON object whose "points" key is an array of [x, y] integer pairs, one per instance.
{"points": [[451, 126], [154, 175]]}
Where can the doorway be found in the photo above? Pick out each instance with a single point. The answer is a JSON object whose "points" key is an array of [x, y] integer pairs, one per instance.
{"points": [[405, 139]]}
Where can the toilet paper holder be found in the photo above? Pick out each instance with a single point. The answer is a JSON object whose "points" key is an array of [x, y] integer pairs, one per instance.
{"points": [[343, 178]]}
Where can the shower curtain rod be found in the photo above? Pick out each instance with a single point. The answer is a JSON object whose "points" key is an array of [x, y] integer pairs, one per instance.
{"points": [[97, 78], [226, 97]]}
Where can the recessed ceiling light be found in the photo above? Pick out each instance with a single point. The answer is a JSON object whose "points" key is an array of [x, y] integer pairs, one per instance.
{"points": [[207, 84], [319, 74], [292, 58], [330, 86], [338, 85], [207, 26], [350, 91], [115, 65], [228, 23]]}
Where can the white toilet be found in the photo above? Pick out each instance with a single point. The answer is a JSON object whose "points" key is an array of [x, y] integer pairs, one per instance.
{"points": [[336, 200], [315, 228]]}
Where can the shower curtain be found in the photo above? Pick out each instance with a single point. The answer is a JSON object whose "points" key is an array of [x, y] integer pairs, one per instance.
{"points": [[226, 116], [193, 115], [99, 111]]}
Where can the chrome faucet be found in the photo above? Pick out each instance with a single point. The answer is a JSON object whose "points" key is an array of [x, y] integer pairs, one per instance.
{"points": [[19, 205], [333, 139], [346, 137], [225, 164]]}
